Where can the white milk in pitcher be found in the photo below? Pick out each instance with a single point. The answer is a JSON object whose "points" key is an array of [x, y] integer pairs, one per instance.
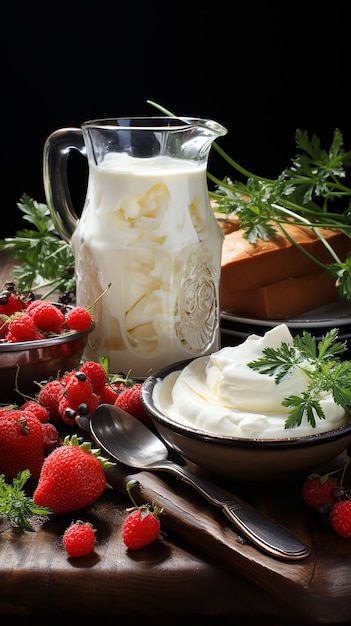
{"points": [[148, 233]]}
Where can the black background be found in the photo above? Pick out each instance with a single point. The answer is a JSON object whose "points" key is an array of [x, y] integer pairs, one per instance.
{"points": [[262, 70]]}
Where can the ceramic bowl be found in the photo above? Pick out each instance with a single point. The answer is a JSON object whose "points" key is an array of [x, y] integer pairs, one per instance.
{"points": [[36, 361], [244, 460]]}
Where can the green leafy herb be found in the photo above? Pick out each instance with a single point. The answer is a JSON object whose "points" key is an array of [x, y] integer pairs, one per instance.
{"points": [[16, 505], [323, 367], [312, 192], [45, 262]]}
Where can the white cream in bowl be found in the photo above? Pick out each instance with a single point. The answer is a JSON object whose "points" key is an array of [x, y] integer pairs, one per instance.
{"points": [[222, 395]]}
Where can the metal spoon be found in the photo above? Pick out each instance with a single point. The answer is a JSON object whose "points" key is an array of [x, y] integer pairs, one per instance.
{"points": [[130, 442]]}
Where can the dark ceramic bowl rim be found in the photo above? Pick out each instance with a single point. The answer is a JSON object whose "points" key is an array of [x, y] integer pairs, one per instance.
{"points": [[66, 337], [225, 440]]}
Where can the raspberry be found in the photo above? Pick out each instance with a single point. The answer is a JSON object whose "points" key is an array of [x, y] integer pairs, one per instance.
{"points": [[95, 373], [317, 490], [340, 518], [79, 539], [47, 317], [78, 319], [22, 328]]}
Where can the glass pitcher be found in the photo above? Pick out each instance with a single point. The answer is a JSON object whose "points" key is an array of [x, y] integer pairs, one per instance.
{"points": [[147, 237]]}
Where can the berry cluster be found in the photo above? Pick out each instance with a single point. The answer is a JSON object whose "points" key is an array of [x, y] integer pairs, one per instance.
{"points": [[28, 432], [328, 495], [26, 319], [80, 392]]}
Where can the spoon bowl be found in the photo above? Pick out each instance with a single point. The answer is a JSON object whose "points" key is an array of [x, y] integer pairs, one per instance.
{"points": [[126, 438]]}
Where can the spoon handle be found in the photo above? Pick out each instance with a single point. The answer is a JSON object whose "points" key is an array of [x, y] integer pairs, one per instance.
{"points": [[259, 529]]}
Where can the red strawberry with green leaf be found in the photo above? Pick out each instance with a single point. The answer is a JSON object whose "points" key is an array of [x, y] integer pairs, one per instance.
{"points": [[21, 442], [142, 526], [79, 539], [72, 477]]}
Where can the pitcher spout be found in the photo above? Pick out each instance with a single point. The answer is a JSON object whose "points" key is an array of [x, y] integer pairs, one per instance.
{"points": [[203, 133]]}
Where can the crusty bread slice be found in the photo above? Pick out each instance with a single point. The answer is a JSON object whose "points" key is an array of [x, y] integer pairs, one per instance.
{"points": [[257, 279], [284, 299], [250, 265]]}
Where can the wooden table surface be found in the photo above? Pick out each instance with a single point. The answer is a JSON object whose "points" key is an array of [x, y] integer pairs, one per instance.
{"points": [[200, 567]]}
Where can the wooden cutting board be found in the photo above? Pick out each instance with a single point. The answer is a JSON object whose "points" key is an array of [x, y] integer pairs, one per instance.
{"points": [[317, 589], [200, 566]]}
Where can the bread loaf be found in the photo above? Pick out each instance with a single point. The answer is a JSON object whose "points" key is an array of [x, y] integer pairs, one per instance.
{"points": [[285, 298], [256, 279]]}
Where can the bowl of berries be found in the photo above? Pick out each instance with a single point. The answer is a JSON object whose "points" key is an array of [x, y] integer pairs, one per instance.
{"points": [[271, 409], [38, 340]]}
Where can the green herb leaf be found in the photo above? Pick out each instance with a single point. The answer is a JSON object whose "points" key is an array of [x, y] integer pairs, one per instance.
{"points": [[45, 261], [16, 505], [323, 368]]}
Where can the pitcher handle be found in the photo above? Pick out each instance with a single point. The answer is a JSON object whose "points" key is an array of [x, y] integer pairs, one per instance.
{"points": [[57, 149]]}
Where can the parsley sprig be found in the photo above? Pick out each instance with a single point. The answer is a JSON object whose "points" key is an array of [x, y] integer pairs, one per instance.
{"points": [[17, 505], [323, 367], [311, 192], [43, 261]]}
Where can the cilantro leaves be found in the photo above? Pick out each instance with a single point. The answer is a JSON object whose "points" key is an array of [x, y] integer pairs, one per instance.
{"points": [[321, 363]]}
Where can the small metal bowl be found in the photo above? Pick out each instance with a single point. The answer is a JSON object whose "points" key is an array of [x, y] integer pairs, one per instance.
{"points": [[26, 363], [239, 459]]}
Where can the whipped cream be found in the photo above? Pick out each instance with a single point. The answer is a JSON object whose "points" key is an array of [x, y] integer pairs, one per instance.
{"points": [[220, 394]]}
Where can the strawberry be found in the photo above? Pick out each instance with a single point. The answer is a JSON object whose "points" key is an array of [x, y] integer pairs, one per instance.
{"points": [[50, 435], [72, 477], [78, 390], [340, 518], [318, 490], [49, 397], [21, 443], [142, 526], [107, 395], [129, 399], [79, 539], [37, 409]]}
